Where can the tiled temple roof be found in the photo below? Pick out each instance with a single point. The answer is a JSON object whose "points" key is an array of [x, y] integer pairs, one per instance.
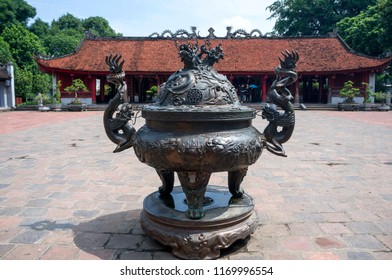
{"points": [[318, 55]]}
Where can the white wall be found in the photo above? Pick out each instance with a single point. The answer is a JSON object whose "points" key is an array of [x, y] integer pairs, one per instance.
{"points": [[65, 101], [7, 89]]}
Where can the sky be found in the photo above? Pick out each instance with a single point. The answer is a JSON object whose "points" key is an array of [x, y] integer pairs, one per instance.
{"points": [[144, 17]]}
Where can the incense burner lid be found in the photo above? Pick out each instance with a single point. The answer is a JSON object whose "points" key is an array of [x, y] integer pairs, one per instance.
{"points": [[197, 85]]}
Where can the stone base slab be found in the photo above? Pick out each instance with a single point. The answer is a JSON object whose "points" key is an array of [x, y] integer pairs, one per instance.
{"points": [[226, 221]]}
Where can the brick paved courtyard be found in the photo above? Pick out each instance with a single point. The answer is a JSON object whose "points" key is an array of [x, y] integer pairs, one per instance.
{"points": [[65, 195]]}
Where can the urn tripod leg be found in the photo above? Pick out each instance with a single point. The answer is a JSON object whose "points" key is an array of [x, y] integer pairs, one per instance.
{"points": [[167, 178], [194, 185], [234, 180]]}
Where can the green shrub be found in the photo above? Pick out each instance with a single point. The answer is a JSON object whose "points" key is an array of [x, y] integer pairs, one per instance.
{"points": [[381, 96], [348, 92]]}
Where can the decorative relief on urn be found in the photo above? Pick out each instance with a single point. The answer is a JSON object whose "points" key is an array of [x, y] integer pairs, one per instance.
{"points": [[197, 127], [197, 83]]}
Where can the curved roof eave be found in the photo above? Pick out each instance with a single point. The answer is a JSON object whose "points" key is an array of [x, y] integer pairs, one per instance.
{"points": [[332, 53]]}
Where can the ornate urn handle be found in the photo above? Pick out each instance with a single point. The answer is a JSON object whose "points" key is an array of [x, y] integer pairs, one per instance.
{"points": [[280, 96], [118, 112]]}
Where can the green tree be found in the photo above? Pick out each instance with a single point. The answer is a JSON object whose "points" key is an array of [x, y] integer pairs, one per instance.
{"points": [[98, 26], [5, 53], [348, 92], [40, 28], [385, 10], [60, 37], [76, 87], [312, 17], [29, 82], [371, 30], [23, 11], [57, 95], [364, 31], [61, 42], [68, 21], [64, 34], [42, 82], [23, 45], [24, 83], [14, 12]]}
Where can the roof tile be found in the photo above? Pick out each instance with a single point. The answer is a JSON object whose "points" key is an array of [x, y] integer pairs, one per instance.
{"points": [[317, 55]]}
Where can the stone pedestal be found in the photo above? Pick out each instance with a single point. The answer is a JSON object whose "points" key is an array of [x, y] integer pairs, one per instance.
{"points": [[227, 219]]}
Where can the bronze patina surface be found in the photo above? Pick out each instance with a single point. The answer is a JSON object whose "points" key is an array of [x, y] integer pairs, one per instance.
{"points": [[197, 127], [227, 220]]}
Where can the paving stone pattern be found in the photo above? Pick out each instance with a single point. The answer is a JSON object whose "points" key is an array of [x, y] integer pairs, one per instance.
{"points": [[65, 195]]}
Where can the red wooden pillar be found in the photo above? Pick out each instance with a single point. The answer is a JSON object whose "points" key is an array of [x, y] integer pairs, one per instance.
{"points": [[93, 89], [320, 94], [131, 89], [331, 83], [102, 90], [158, 80], [296, 94], [365, 79], [139, 98], [264, 89]]}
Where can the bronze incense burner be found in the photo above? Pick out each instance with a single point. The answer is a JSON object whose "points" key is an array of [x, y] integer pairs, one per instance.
{"points": [[197, 127]]}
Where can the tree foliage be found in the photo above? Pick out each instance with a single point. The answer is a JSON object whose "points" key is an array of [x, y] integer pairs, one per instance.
{"points": [[76, 86], [98, 26], [61, 42], [312, 17], [15, 11], [63, 35], [348, 92], [363, 31], [23, 45], [67, 22], [20, 43], [369, 31], [24, 83], [5, 53], [40, 28], [42, 82], [385, 10]]}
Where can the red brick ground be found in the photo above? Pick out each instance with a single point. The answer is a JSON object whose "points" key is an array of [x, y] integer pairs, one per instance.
{"points": [[20, 120], [65, 195]]}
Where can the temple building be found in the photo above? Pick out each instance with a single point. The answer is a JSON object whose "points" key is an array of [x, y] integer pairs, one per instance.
{"points": [[250, 58], [7, 89]]}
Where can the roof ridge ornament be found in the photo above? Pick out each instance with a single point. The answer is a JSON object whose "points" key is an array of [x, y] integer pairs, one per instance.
{"points": [[192, 56], [211, 34], [182, 33]]}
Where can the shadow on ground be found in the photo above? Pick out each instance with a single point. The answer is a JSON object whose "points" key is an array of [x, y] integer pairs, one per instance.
{"points": [[110, 236], [119, 236]]}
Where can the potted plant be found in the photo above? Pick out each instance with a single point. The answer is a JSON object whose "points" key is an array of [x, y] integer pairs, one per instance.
{"points": [[42, 100], [76, 87], [56, 99], [106, 90], [382, 97], [151, 93], [367, 101], [348, 92]]}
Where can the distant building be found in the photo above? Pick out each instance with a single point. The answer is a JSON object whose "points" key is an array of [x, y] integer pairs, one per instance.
{"points": [[7, 89], [325, 64]]}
